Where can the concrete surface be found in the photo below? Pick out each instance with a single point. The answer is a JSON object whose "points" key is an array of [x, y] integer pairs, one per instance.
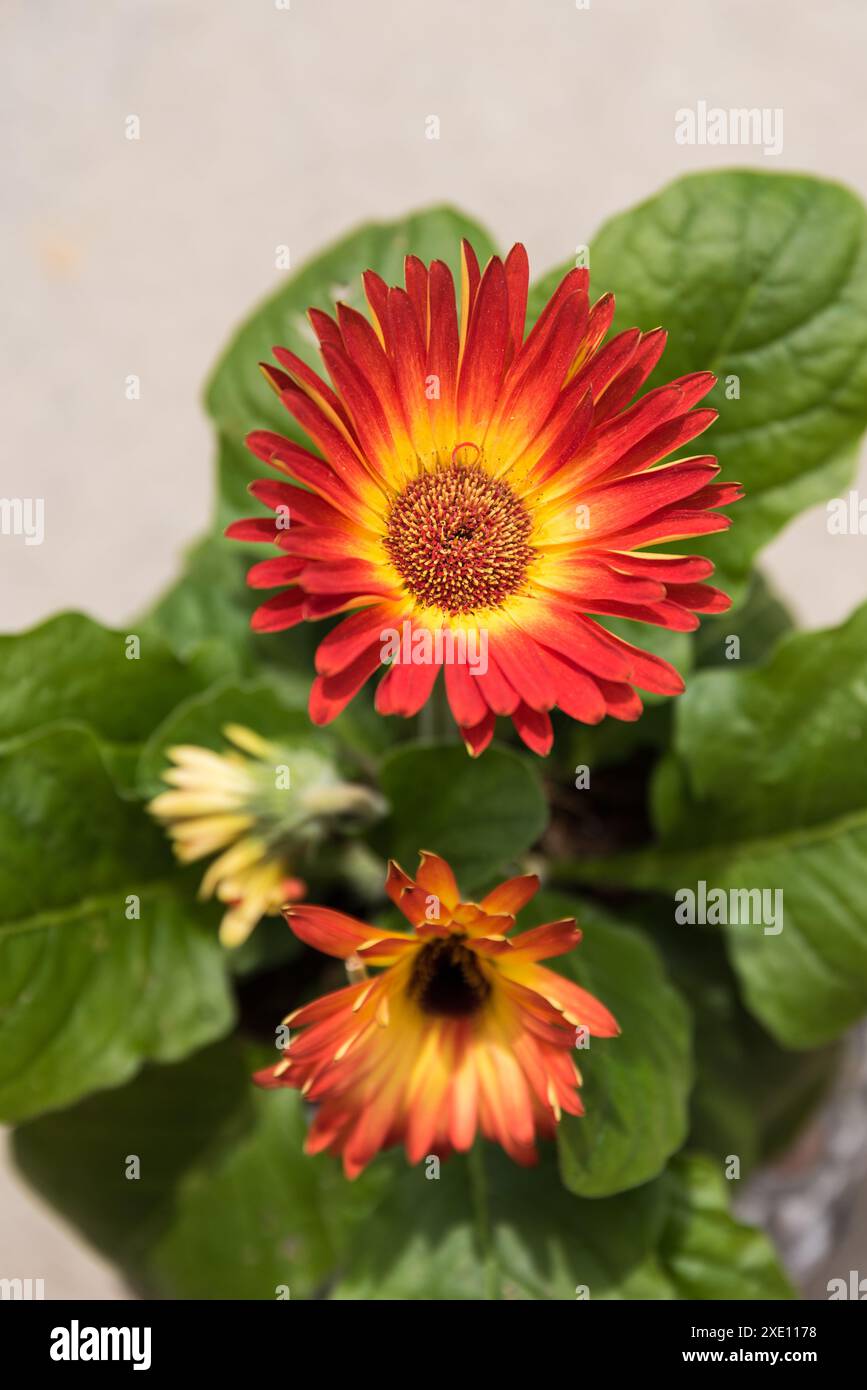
{"points": [[263, 124]]}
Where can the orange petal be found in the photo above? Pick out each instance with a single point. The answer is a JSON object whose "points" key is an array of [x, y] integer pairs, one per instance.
{"points": [[435, 876], [334, 933], [509, 897]]}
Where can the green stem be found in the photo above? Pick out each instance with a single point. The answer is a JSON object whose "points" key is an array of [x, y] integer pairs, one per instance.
{"points": [[479, 1190], [427, 722], [435, 722]]}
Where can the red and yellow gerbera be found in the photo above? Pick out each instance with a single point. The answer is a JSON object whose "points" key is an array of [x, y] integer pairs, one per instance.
{"points": [[476, 491], [462, 1030]]}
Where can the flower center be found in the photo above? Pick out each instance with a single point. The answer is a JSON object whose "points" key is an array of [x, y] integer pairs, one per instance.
{"points": [[458, 539], [447, 980]]}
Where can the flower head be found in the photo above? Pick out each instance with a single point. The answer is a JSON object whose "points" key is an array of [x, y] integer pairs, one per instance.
{"points": [[463, 1029], [260, 805], [478, 496]]}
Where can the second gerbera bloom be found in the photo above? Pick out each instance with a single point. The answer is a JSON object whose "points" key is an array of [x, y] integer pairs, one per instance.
{"points": [[478, 495], [461, 1031]]}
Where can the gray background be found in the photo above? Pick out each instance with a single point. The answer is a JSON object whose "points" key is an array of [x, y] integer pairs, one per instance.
{"points": [[262, 126]]}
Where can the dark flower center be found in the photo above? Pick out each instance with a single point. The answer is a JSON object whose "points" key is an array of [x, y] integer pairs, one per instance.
{"points": [[458, 539], [447, 980]]}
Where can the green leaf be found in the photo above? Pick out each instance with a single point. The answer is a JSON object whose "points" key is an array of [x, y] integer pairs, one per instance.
{"points": [[768, 790], [702, 1253], [479, 814], [763, 277], [752, 1099], [238, 399], [636, 1086], [169, 1117], [284, 1221], [226, 1205], [486, 1228], [750, 1096], [86, 993], [72, 668]]}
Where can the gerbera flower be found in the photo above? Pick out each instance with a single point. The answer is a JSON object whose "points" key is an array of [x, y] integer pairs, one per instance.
{"points": [[463, 1029], [260, 811], [478, 495]]}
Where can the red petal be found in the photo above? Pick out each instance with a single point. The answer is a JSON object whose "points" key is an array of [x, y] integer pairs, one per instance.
{"points": [[331, 694], [271, 574], [534, 727], [282, 611], [631, 380], [435, 876], [522, 662], [499, 694], [415, 277], [481, 370], [464, 695], [353, 636], [479, 735], [517, 269], [257, 528], [404, 688]]}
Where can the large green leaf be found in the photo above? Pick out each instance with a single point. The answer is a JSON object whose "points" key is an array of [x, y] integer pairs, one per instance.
{"points": [[227, 1206], [169, 1117], [702, 1253], [478, 814], [487, 1229], [636, 1086], [87, 992], [763, 277], [750, 1095], [72, 668], [767, 789], [238, 399]]}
